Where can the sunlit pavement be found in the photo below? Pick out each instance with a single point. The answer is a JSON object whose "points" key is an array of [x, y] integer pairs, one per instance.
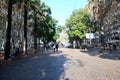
{"points": [[66, 64]]}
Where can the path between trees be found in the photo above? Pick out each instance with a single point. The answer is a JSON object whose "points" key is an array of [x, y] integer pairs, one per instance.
{"points": [[91, 67], [66, 64]]}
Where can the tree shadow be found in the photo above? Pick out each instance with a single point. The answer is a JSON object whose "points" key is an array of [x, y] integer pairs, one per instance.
{"points": [[91, 52], [45, 66], [111, 55], [114, 55], [58, 52]]}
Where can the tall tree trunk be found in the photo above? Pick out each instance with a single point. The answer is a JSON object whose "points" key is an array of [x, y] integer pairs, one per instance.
{"points": [[35, 32], [25, 28], [8, 31], [101, 37]]}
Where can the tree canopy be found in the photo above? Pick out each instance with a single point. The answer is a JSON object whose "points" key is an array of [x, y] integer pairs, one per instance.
{"points": [[20, 14], [77, 23]]}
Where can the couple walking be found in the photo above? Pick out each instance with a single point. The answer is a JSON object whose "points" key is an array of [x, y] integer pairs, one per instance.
{"points": [[55, 47]]}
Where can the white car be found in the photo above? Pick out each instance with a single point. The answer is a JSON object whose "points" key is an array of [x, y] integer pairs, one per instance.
{"points": [[68, 45]]}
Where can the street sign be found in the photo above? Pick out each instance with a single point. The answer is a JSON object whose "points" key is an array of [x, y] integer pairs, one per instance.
{"points": [[90, 35]]}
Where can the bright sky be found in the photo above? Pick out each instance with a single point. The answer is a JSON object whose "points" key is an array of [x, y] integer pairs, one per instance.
{"points": [[62, 9]]}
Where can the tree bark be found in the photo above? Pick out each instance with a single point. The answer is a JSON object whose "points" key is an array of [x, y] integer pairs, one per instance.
{"points": [[8, 31], [35, 31], [25, 28], [102, 38]]}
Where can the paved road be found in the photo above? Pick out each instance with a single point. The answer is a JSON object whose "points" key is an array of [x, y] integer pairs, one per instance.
{"points": [[44, 66], [66, 64]]}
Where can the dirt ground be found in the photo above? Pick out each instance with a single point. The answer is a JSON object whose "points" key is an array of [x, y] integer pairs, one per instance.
{"points": [[82, 66]]}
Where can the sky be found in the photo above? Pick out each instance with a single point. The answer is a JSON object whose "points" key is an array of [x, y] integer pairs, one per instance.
{"points": [[62, 9]]}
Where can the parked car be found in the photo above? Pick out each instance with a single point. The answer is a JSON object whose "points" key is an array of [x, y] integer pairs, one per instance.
{"points": [[83, 46], [68, 45], [51, 44]]}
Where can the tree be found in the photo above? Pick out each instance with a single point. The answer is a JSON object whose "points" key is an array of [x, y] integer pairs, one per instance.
{"points": [[99, 10], [25, 26], [3, 21], [34, 6], [46, 22], [50, 29], [24, 4], [77, 24], [58, 30], [8, 30], [40, 12]]}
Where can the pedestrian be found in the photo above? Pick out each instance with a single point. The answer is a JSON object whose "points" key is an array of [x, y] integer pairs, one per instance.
{"points": [[56, 46], [17, 52], [74, 44], [114, 46]]}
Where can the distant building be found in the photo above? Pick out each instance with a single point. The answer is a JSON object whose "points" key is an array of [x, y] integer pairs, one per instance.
{"points": [[64, 38]]}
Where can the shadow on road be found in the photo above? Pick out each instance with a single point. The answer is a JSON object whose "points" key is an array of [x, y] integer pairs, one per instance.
{"points": [[111, 55], [114, 55], [45, 66], [58, 52]]}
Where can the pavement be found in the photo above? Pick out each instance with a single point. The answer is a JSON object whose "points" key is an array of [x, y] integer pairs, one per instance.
{"points": [[44, 66], [107, 54], [65, 64]]}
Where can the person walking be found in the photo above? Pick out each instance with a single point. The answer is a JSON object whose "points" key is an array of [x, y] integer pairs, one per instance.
{"points": [[56, 46]]}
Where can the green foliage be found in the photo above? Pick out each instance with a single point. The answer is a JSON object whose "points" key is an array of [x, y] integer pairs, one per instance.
{"points": [[56, 36], [77, 24], [58, 30], [45, 23], [50, 28], [93, 24]]}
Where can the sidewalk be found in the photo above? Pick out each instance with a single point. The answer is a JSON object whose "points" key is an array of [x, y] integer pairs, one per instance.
{"points": [[7, 62], [108, 54], [91, 66], [44, 66]]}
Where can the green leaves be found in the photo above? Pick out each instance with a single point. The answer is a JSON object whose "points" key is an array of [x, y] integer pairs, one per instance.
{"points": [[77, 24]]}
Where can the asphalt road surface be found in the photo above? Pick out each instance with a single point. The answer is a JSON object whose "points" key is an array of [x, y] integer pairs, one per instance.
{"points": [[65, 64]]}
